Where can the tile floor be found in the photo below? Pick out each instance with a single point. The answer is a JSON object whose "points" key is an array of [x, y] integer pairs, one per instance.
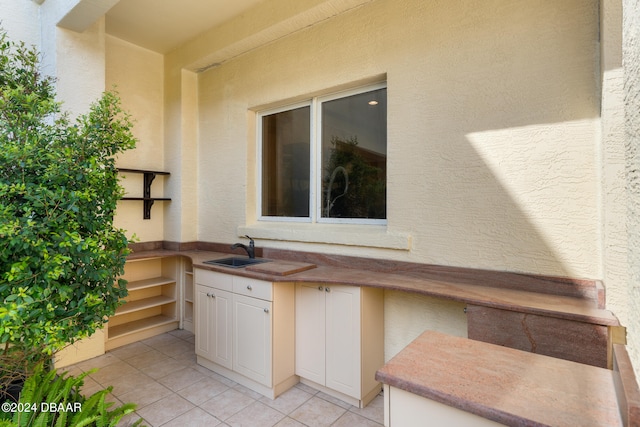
{"points": [[161, 376]]}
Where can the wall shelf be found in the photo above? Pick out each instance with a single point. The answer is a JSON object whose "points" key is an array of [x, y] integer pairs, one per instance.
{"points": [[148, 201]]}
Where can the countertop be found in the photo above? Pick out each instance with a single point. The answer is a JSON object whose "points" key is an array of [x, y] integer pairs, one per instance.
{"points": [[508, 299], [502, 384]]}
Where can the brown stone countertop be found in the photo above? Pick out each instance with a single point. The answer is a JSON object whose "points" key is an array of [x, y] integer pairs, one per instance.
{"points": [[502, 384], [508, 299]]}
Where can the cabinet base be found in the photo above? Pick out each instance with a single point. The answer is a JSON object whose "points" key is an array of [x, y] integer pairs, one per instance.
{"points": [[360, 403], [270, 392]]}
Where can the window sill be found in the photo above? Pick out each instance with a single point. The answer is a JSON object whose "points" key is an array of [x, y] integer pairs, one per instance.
{"points": [[373, 236]]}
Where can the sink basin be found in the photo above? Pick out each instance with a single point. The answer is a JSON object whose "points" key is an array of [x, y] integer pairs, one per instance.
{"points": [[235, 262]]}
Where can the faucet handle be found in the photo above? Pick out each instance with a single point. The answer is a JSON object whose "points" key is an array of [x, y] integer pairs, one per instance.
{"points": [[251, 242]]}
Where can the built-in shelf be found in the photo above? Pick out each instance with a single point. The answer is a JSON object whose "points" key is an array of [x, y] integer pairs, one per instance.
{"points": [[143, 304], [137, 326], [148, 201], [149, 283], [153, 304], [187, 296]]}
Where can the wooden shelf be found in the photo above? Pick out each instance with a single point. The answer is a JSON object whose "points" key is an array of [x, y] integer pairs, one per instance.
{"points": [[139, 325], [149, 283], [142, 304]]}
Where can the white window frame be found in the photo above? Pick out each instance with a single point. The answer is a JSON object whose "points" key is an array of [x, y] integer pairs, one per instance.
{"points": [[315, 159]]}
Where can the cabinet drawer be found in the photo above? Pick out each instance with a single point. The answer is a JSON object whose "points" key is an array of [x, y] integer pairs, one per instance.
{"points": [[214, 279], [252, 288]]}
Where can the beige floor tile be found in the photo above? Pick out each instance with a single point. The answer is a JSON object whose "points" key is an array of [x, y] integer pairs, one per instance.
{"points": [[194, 418], [289, 422], [129, 420], [130, 350], [350, 419], [162, 369], [107, 375], [165, 410], [180, 379], [98, 362], [288, 401], [307, 388], [175, 349], [90, 386], [146, 395], [127, 383], [244, 390], [334, 400], [317, 412], [227, 404], [374, 410], [161, 340], [256, 414], [183, 334], [147, 358], [203, 390]]}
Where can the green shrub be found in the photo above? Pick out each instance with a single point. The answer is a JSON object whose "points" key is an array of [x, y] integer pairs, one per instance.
{"points": [[60, 255]]}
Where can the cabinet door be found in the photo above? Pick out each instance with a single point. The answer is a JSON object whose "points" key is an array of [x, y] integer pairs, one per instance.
{"points": [[310, 332], [343, 345], [221, 329], [204, 321], [252, 338]]}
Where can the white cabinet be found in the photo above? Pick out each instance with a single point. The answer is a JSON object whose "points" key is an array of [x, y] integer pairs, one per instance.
{"points": [[244, 330], [252, 338], [340, 339], [213, 332]]}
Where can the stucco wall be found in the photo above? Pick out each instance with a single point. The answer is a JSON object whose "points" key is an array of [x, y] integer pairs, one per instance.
{"points": [[21, 23], [492, 127], [137, 75], [493, 123], [631, 66]]}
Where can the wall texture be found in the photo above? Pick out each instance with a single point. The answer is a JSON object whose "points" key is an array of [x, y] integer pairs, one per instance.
{"points": [[19, 22], [492, 116], [137, 75], [631, 65], [493, 127]]}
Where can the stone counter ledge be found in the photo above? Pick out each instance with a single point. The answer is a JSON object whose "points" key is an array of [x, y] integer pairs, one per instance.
{"points": [[508, 386]]}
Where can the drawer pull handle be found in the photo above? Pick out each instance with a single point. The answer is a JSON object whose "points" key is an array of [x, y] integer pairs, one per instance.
{"points": [[320, 288], [266, 310], [249, 287], [327, 289]]}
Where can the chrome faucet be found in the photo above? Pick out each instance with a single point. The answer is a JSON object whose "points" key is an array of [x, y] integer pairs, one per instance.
{"points": [[251, 249]]}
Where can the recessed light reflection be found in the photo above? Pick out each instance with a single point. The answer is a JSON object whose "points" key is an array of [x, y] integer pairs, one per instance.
{"points": [[373, 102]]}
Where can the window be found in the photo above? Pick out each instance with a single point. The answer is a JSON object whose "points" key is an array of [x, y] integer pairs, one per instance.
{"points": [[325, 160]]}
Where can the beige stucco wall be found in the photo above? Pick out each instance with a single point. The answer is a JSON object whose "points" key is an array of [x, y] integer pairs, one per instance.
{"points": [[138, 76], [493, 127], [631, 65], [19, 22]]}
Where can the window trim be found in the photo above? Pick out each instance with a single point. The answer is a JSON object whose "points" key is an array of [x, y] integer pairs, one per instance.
{"points": [[315, 159]]}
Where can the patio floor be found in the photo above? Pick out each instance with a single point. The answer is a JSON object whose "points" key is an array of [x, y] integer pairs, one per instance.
{"points": [[161, 376]]}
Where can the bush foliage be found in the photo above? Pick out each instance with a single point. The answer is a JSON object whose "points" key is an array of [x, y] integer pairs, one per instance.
{"points": [[60, 255]]}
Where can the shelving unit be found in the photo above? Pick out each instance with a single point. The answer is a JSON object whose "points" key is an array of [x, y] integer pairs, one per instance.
{"points": [[188, 296], [146, 198], [151, 308]]}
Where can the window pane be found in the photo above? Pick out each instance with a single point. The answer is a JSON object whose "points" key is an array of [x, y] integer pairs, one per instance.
{"points": [[285, 163], [354, 156]]}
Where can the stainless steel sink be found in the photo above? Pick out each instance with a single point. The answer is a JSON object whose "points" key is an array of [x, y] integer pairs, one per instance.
{"points": [[235, 262]]}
